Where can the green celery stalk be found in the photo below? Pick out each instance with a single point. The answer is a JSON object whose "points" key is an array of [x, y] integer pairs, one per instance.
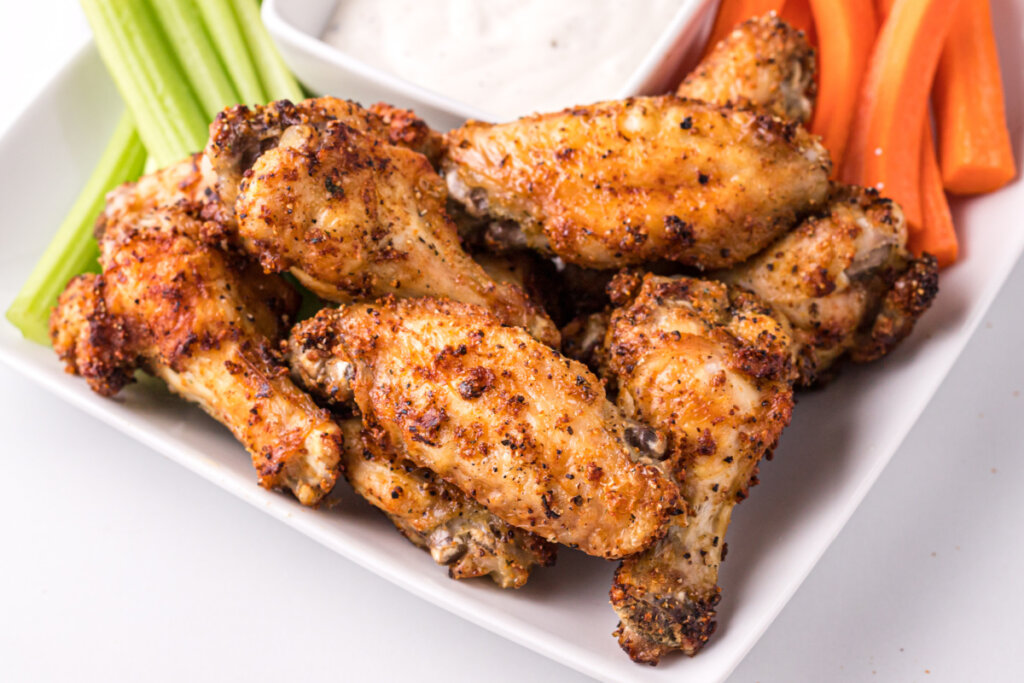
{"points": [[170, 121], [198, 57], [222, 24], [73, 249], [278, 81]]}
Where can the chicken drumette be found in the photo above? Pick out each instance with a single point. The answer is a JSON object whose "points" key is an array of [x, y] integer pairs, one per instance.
{"points": [[647, 178], [205, 324], [457, 532], [707, 365], [519, 428], [322, 191]]}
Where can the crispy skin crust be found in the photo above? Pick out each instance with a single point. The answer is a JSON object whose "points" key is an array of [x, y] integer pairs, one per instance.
{"points": [[354, 218], [436, 516], [647, 178], [707, 365], [180, 310], [522, 430], [188, 185], [240, 134], [764, 64], [844, 280]]}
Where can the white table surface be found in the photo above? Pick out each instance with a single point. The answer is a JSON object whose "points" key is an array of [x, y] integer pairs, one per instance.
{"points": [[118, 564]]}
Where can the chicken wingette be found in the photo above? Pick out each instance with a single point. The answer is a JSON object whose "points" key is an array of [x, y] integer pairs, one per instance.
{"points": [[707, 365], [457, 532], [647, 178], [206, 325], [351, 215], [843, 278], [763, 64], [845, 282], [519, 428]]}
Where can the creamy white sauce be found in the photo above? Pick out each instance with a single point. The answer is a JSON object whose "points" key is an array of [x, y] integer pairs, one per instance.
{"points": [[505, 57]]}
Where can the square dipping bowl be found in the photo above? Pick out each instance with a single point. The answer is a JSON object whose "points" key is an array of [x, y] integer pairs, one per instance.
{"points": [[297, 27]]}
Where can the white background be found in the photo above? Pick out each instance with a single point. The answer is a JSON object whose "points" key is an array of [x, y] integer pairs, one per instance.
{"points": [[115, 563]]}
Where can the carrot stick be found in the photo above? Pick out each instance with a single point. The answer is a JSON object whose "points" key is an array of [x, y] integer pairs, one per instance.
{"points": [[936, 235], [884, 147], [847, 29], [732, 13], [797, 13], [974, 143]]}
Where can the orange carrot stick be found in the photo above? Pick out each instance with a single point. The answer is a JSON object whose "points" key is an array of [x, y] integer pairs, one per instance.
{"points": [[974, 144], [731, 13], [936, 235], [847, 29], [797, 13], [884, 147]]}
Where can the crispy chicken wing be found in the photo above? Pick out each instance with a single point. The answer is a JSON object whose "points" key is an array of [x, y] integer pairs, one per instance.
{"points": [[707, 365], [844, 277], [521, 429], [764, 64], [240, 134], [189, 185], [351, 215], [844, 280], [184, 312], [647, 178], [436, 516]]}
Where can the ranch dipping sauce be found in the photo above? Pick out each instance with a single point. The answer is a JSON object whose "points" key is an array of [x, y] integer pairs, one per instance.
{"points": [[506, 57]]}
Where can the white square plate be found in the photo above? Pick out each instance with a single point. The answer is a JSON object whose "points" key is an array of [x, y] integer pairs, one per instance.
{"points": [[840, 440]]}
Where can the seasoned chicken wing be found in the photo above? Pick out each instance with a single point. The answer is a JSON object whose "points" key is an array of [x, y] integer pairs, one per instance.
{"points": [[240, 134], [186, 313], [647, 178], [844, 280], [521, 429], [706, 364], [436, 516], [764, 64], [354, 217], [189, 185]]}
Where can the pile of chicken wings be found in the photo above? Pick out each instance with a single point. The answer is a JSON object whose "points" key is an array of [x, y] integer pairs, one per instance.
{"points": [[580, 328]]}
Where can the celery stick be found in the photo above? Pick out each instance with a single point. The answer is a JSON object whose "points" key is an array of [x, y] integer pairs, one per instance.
{"points": [[278, 81], [222, 24], [73, 249], [170, 121], [196, 54]]}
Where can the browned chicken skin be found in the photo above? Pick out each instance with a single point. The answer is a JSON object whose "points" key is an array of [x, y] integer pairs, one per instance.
{"points": [[708, 365], [764, 64], [436, 516], [844, 280], [619, 183], [524, 431], [239, 135], [350, 214], [186, 313]]}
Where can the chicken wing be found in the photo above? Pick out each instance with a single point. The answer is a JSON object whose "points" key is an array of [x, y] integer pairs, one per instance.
{"points": [[353, 216], [239, 135], [184, 312], [438, 517], [764, 64], [647, 178], [521, 429], [706, 364], [844, 280]]}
